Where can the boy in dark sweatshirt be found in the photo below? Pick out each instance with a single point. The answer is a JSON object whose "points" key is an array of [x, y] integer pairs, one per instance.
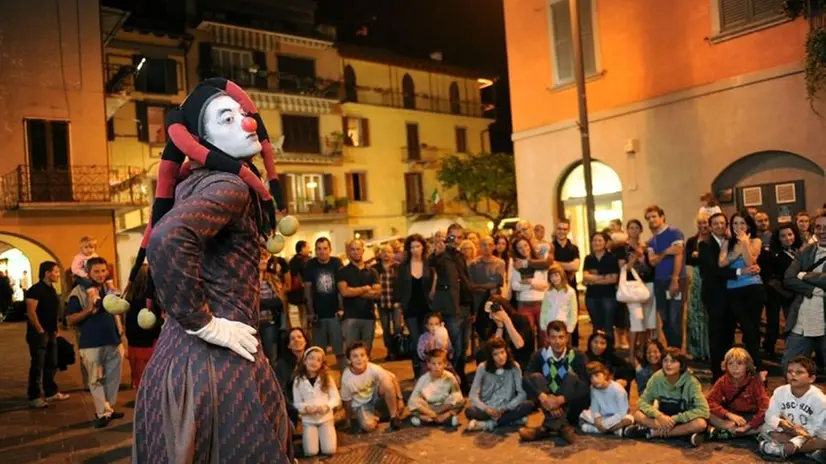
{"points": [[557, 382]]}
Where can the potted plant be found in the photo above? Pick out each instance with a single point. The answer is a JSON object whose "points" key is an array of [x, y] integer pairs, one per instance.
{"points": [[341, 205], [329, 204]]}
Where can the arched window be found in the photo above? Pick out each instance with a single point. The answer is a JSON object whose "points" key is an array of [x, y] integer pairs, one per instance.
{"points": [[455, 105], [350, 89], [408, 92]]}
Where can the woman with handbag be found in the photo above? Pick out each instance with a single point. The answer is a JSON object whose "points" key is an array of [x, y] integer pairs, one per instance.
{"points": [[634, 293], [697, 344]]}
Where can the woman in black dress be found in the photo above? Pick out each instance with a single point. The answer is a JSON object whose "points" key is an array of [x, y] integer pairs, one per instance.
{"points": [[785, 243], [414, 279]]}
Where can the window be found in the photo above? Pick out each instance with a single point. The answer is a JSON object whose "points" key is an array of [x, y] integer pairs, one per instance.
{"points": [[363, 234], [306, 191], [48, 144], [300, 134], [414, 193], [296, 73], [350, 87], [156, 75], [740, 14], [414, 148], [151, 120], [461, 140], [455, 104], [236, 65], [357, 132], [562, 40], [357, 186], [408, 92]]}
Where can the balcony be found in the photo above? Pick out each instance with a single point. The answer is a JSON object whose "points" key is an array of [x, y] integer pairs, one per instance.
{"points": [[424, 154], [77, 188], [318, 211], [420, 102], [283, 91], [330, 152]]}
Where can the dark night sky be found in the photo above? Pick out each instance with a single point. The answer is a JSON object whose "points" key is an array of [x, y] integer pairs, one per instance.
{"points": [[469, 33]]}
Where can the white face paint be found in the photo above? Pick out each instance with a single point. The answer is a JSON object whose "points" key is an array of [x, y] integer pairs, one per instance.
{"points": [[222, 127]]}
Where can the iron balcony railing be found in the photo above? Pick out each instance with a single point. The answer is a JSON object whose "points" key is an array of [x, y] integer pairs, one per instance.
{"points": [[418, 101], [118, 186], [281, 82]]}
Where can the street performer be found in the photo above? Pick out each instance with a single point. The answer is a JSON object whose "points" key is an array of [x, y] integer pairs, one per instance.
{"points": [[208, 394]]}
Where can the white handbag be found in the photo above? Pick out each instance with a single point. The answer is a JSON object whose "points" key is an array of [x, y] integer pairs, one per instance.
{"points": [[631, 291]]}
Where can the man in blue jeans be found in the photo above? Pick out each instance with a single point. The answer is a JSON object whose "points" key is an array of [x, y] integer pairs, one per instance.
{"points": [[665, 251], [453, 297]]}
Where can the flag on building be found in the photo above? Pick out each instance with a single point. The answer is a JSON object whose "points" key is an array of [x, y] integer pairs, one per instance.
{"points": [[436, 200]]}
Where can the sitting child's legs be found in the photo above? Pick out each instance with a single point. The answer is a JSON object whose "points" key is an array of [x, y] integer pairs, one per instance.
{"points": [[390, 391], [327, 437], [309, 439], [474, 413], [367, 419]]}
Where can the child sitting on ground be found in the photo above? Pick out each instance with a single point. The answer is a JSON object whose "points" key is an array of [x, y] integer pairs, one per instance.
{"points": [[315, 396], [496, 396], [795, 419], [609, 403], [436, 398], [738, 400], [672, 404], [436, 338], [601, 350], [652, 362], [556, 381], [368, 391]]}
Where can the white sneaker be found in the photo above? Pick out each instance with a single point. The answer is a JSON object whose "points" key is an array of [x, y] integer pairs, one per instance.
{"points": [[588, 428], [454, 421], [416, 421], [489, 426], [772, 448], [473, 426], [58, 397]]}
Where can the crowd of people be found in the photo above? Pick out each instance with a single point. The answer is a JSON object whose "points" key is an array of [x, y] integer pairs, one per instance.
{"points": [[512, 303]]}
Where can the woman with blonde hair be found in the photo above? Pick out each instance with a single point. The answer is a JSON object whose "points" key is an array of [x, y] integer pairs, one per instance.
{"points": [[559, 302]]}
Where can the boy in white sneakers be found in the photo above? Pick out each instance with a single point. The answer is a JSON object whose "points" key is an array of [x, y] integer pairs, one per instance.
{"points": [[436, 399], [795, 419]]}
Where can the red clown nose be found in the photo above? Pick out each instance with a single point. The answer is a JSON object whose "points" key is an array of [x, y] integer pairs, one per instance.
{"points": [[249, 124]]}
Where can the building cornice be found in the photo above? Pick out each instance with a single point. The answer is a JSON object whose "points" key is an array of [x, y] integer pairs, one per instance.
{"points": [[722, 85]]}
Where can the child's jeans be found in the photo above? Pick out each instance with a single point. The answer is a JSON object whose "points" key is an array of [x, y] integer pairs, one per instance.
{"points": [[509, 416], [588, 420], [314, 434]]}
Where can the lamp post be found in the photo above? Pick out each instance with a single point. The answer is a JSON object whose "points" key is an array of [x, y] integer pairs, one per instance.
{"points": [[584, 133]]}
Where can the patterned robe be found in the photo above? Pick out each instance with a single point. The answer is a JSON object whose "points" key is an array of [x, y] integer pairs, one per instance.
{"points": [[200, 402]]}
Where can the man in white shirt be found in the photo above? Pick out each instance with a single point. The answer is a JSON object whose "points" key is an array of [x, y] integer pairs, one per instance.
{"points": [[806, 276]]}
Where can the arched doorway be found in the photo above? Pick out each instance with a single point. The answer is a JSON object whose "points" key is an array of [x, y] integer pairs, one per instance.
{"points": [[777, 182], [607, 200], [20, 260]]}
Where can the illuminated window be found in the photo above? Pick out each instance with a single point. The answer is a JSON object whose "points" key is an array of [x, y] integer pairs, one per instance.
{"points": [[562, 45]]}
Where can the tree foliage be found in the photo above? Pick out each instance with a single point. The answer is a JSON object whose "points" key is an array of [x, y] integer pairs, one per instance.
{"points": [[481, 177]]}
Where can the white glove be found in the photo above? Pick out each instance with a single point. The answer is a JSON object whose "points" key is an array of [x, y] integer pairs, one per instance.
{"points": [[237, 336]]}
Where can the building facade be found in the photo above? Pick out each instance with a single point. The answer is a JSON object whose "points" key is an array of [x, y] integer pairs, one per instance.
{"points": [[364, 129], [57, 183], [684, 97]]}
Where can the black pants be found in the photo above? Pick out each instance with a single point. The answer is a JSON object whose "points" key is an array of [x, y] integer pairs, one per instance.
{"points": [[43, 351], [746, 305], [775, 302], [535, 384], [720, 332]]}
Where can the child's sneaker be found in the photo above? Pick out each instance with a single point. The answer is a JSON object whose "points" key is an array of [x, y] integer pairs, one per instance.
{"points": [[772, 448], [715, 434], [395, 424], [416, 421], [475, 426], [490, 425], [588, 428], [697, 439], [453, 422], [635, 431], [817, 456]]}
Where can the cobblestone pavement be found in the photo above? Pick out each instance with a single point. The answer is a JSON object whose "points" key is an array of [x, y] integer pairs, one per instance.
{"points": [[63, 432]]}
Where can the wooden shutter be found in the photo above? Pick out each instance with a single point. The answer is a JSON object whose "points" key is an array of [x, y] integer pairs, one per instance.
{"points": [[363, 185], [143, 121], [260, 60], [586, 19], [349, 182], [329, 186], [413, 145], [365, 133], [563, 45], [733, 13], [345, 129], [171, 76], [205, 60], [766, 8]]}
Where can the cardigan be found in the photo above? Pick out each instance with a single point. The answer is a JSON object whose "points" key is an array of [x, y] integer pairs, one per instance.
{"points": [[310, 394], [752, 400]]}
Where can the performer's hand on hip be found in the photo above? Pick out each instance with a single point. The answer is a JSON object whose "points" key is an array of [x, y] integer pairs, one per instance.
{"points": [[236, 336]]}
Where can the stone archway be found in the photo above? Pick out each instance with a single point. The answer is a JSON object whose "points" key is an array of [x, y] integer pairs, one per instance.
{"points": [[607, 189], [777, 182], [32, 251]]}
